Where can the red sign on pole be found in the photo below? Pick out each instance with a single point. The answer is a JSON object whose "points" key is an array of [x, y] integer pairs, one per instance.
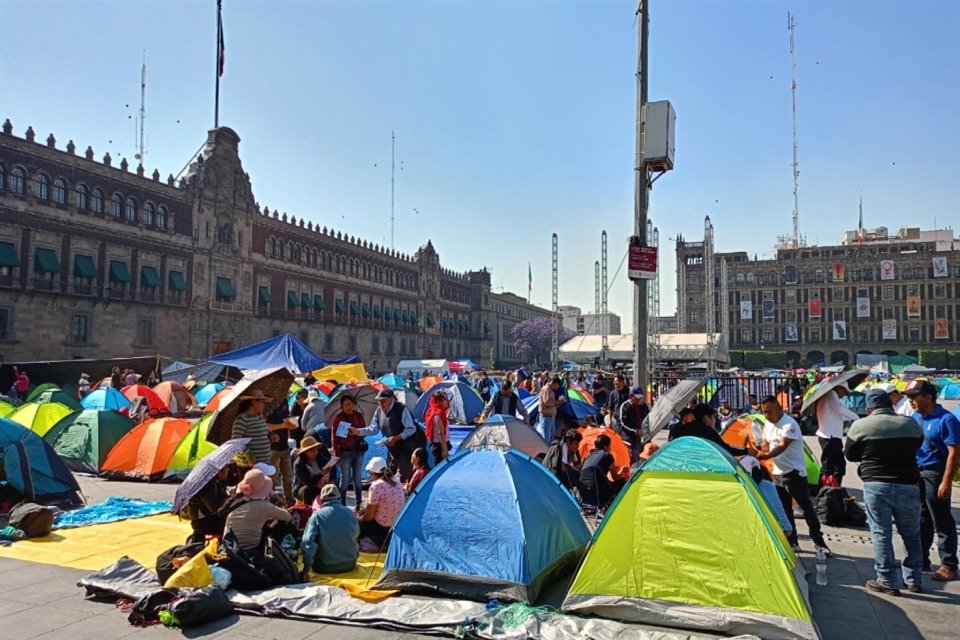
{"points": [[642, 262]]}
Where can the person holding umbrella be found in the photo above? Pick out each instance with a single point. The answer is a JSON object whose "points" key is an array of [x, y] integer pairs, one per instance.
{"points": [[250, 423], [203, 508], [395, 422], [831, 416]]}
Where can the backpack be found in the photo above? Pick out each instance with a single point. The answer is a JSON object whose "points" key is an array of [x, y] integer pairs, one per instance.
{"points": [[855, 516], [164, 565], [832, 506], [33, 519]]}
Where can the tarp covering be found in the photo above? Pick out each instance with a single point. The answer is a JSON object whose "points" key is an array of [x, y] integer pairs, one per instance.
{"points": [[693, 510], [516, 527], [66, 373], [113, 509], [177, 371], [33, 468], [282, 351], [342, 373]]}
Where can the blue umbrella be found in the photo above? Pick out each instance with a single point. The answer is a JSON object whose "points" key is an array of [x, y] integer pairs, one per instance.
{"points": [[207, 392], [208, 466]]}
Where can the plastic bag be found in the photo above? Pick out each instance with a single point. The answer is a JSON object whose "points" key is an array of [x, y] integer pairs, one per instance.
{"points": [[221, 576], [195, 572]]}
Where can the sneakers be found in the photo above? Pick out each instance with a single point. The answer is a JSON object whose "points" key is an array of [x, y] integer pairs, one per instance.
{"points": [[796, 547], [797, 512], [914, 588], [873, 585]]}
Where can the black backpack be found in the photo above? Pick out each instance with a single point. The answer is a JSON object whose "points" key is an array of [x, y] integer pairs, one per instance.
{"points": [[33, 519], [832, 506]]}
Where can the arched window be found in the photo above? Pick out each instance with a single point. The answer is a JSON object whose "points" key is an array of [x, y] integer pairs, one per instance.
{"points": [[116, 205], [60, 191], [96, 201], [80, 197], [161, 217], [18, 180], [131, 210], [41, 186], [772, 277], [148, 214], [297, 253], [3, 177], [750, 278], [272, 247], [288, 254]]}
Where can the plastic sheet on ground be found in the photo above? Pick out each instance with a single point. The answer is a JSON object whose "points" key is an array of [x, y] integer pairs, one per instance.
{"points": [[113, 509], [360, 581]]}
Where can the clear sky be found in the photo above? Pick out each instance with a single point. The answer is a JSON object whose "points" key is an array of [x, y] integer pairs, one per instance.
{"points": [[515, 119]]}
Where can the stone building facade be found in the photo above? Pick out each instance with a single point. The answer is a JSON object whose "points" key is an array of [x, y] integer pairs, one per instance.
{"points": [[99, 260], [873, 294]]}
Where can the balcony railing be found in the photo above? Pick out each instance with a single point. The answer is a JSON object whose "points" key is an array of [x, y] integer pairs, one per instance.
{"points": [[117, 293], [42, 284], [228, 306]]}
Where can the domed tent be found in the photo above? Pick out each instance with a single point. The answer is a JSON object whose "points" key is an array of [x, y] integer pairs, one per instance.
{"points": [[739, 431], [193, 447], [690, 542], [145, 452], [175, 396], [106, 398], [6, 409], [58, 395], [154, 402], [465, 403], [207, 391], [619, 449], [33, 468], [507, 432], [517, 528], [83, 439], [39, 418]]}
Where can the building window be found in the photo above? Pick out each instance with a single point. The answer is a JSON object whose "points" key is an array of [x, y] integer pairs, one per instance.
{"points": [[17, 181], [389, 346], [839, 294], [818, 276], [161, 217], [6, 323], [80, 197], [789, 296], [60, 191], [886, 292], [913, 334], [3, 177], [131, 210], [694, 316], [116, 206], [768, 335], [353, 344], [145, 332], [815, 334], [96, 201], [41, 186], [888, 313], [376, 345], [148, 214], [403, 346], [863, 335], [939, 291], [79, 333], [328, 342], [746, 336]]}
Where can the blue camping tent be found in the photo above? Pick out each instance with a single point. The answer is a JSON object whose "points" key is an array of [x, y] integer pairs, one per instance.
{"points": [[106, 399], [34, 469], [471, 401], [575, 409], [507, 432], [281, 351], [207, 391], [517, 528]]}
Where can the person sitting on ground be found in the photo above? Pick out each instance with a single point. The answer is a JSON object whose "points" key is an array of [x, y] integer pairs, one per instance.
{"points": [[563, 458], [421, 467], [310, 470], [436, 426], [600, 481], [251, 510], [704, 426], [764, 482], [384, 502], [330, 538], [203, 509]]}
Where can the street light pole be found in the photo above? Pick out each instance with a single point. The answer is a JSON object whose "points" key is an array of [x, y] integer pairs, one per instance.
{"points": [[641, 192]]}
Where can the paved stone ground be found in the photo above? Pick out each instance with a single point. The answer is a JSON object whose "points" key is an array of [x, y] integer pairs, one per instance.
{"points": [[41, 601]]}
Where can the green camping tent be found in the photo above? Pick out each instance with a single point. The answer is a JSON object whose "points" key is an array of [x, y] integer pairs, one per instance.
{"points": [[6, 409], [58, 395], [83, 439], [193, 447], [40, 388], [690, 542]]}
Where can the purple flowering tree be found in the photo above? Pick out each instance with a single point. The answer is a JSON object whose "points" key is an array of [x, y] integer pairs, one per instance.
{"points": [[533, 339]]}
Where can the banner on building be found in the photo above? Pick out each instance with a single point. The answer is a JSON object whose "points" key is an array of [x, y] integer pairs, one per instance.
{"points": [[863, 307], [814, 308], [941, 330], [913, 306], [839, 329], [746, 310], [940, 267], [889, 328], [768, 309], [887, 270], [838, 269], [791, 334]]}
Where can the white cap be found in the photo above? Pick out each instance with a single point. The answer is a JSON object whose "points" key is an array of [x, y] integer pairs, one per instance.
{"points": [[889, 388], [376, 465], [268, 469]]}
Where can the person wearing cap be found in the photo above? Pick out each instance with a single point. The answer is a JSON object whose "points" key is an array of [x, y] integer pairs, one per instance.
{"points": [[311, 471], [251, 510], [938, 458], [831, 416], [704, 426], [384, 502], [249, 423], [885, 444], [550, 401], [506, 402], [348, 448], [901, 403], [329, 542], [395, 423], [631, 417]]}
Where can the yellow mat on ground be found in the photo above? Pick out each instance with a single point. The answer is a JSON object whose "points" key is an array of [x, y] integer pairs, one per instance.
{"points": [[358, 582], [100, 545]]}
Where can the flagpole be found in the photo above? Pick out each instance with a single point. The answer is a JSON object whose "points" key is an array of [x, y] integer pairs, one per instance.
{"points": [[218, 67]]}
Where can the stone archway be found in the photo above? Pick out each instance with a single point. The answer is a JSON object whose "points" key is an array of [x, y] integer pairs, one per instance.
{"points": [[840, 357]]}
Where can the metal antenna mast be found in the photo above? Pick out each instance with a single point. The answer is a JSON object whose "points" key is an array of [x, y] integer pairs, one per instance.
{"points": [[141, 152], [596, 288], [393, 148], [791, 27], [604, 318], [653, 305], [710, 310], [555, 347], [724, 296]]}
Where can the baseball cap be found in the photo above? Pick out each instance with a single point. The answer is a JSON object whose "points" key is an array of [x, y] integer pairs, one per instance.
{"points": [[889, 388], [877, 398], [376, 465], [386, 394], [921, 387], [637, 392], [268, 469]]}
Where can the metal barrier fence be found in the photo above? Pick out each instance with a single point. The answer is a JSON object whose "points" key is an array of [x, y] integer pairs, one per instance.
{"points": [[737, 390]]}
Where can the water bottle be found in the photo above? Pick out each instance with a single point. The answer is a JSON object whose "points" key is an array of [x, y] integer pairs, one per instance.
{"points": [[821, 567], [757, 434]]}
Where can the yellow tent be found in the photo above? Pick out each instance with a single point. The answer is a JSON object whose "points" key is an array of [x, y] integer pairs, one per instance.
{"points": [[342, 373], [39, 418]]}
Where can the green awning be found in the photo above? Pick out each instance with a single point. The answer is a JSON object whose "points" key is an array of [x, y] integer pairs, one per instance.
{"points": [[388, 313], [305, 300], [176, 281], [365, 310], [83, 267], [466, 326], [292, 299], [149, 277], [376, 311], [413, 317], [404, 316], [119, 272], [263, 295], [486, 328], [396, 313], [8, 255], [46, 261], [354, 309], [318, 303], [430, 320], [338, 306], [225, 288]]}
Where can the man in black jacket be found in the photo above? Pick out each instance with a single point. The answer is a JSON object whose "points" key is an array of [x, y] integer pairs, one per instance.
{"points": [[616, 399], [885, 445], [704, 426], [631, 416]]}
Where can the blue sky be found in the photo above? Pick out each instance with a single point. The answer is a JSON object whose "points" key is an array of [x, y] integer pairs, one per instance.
{"points": [[515, 119]]}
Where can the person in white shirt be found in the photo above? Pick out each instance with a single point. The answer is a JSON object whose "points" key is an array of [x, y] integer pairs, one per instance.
{"points": [[901, 404], [783, 443], [831, 416]]}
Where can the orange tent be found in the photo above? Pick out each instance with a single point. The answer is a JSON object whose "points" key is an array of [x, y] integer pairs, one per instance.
{"points": [[428, 381], [739, 433], [175, 396], [618, 448], [145, 452], [218, 397], [133, 391]]}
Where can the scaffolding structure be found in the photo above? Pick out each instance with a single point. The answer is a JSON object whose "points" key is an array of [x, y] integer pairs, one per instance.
{"points": [[681, 287], [653, 306], [555, 347], [709, 288], [604, 318]]}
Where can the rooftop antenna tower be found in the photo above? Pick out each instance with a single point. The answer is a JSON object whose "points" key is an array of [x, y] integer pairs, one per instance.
{"points": [[710, 309], [141, 144], [596, 288], [555, 347], [791, 27], [604, 319]]}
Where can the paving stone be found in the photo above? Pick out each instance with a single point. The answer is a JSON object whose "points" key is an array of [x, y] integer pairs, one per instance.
{"points": [[100, 627], [31, 623]]}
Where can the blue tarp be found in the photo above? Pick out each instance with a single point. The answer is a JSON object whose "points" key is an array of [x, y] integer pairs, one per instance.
{"points": [[112, 509], [516, 527], [282, 351], [33, 468], [179, 371]]}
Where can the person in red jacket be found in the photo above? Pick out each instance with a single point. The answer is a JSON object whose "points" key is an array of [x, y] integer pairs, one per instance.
{"points": [[436, 426]]}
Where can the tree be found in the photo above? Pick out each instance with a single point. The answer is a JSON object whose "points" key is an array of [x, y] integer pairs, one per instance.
{"points": [[533, 338]]}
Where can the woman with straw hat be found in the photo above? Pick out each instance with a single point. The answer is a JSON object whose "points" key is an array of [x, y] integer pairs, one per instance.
{"points": [[311, 471]]}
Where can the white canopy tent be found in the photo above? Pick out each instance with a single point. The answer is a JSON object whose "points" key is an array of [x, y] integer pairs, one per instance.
{"points": [[670, 347]]}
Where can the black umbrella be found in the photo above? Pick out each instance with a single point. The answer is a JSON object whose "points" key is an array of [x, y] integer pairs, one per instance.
{"points": [[274, 383], [669, 404], [364, 397], [207, 467], [851, 378]]}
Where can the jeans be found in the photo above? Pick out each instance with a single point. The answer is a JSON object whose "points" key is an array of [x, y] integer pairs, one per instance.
{"points": [[887, 503], [832, 462], [351, 461], [282, 461], [793, 486], [935, 514], [545, 427]]}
